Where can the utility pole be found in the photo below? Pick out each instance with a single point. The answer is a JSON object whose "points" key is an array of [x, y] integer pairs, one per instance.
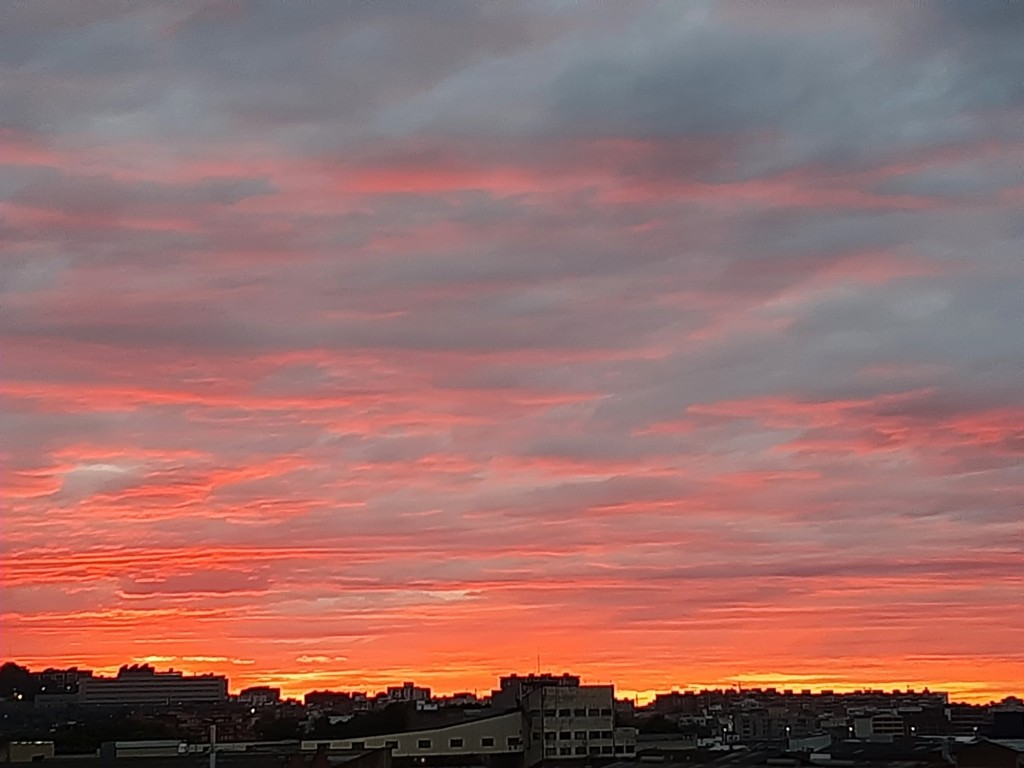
{"points": [[213, 746]]}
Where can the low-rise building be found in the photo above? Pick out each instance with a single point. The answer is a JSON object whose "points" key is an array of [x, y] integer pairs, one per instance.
{"points": [[485, 736], [26, 751]]}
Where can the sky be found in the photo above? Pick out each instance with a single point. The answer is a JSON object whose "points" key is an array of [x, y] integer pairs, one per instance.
{"points": [[670, 344]]}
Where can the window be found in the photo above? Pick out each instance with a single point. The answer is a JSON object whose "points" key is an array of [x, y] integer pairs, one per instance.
{"points": [[455, 743], [423, 743], [358, 745], [564, 712], [390, 744], [565, 750], [595, 750], [606, 734], [581, 750], [619, 749], [595, 734], [565, 736], [580, 735], [514, 741], [536, 735], [606, 712], [550, 735], [580, 712], [594, 712], [487, 741], [551, 751], [606, 750], [549, 713]]}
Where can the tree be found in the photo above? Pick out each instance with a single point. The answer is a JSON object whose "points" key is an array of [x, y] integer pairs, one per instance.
{"points": [[17, 683]]}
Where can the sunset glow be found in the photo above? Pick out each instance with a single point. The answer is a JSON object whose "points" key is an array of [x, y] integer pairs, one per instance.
{"points": [[674, 345]]}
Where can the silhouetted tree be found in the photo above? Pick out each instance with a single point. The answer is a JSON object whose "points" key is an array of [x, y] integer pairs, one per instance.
{"points": [[16, 679]]}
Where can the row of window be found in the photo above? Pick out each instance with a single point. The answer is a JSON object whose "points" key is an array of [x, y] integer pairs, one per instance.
{"points": [[486, 742], [618, 749], [578, 712], [570, 735], [458, 743]]}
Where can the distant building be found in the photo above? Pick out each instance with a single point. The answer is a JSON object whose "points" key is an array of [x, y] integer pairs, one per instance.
{"points": [[1007, 720], [879, 726], [460, 699], [339, 702], [408, 692], [145, 686], [58, 688], [513, 688], [260, 695], [57, 681], [968, 719]]}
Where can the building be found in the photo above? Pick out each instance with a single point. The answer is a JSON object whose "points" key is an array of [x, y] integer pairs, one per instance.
{"points": [[879, 726], [407, 692], [469, 741], [339, 702], [145, 686], [513, 688], [58, 681], [968, 719], [113, 750], [536, 718], [568, 721], [26, 751], [991, 754], [260, 695], [1007, 720]]}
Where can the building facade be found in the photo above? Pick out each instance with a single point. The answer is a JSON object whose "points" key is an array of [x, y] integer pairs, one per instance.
{"points": [[573, 722], [485, 736], [145, 686]]}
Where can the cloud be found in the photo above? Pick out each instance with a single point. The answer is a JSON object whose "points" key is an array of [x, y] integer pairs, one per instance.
{"points": [[687, 329]]}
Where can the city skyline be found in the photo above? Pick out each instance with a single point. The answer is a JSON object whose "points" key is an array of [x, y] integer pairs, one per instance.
{"points": [[668, 343], [384, 685]]}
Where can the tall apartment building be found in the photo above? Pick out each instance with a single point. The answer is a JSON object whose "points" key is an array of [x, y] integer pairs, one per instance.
{"points": [[145, 686]]}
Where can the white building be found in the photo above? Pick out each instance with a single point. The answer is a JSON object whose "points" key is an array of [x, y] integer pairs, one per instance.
{"points": [[146, 686]]}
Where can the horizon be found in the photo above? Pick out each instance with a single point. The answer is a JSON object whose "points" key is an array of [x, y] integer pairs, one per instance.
{"points": [[756, 683], [662, 341]]}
